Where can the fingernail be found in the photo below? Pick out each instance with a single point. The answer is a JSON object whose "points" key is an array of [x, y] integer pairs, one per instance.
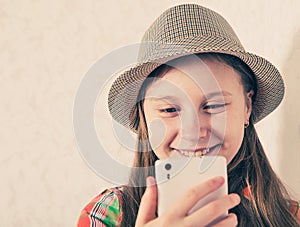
{"points": [[235, 198], [150, 181], [218, 180]]}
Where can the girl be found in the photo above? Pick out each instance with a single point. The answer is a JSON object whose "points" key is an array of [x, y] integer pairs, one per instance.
{"points": [[195, 92]]}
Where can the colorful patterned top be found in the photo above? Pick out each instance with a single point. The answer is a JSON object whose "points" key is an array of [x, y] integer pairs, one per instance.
{"points": [[105, 209]]}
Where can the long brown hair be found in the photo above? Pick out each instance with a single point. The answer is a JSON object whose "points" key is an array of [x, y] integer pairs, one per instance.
{"points": [[267, 204]]}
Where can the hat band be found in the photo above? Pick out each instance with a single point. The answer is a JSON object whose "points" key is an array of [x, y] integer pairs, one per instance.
{"points": [[155, 51]]}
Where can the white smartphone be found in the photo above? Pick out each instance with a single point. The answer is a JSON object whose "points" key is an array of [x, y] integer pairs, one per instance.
{"points": [[176, 175]]}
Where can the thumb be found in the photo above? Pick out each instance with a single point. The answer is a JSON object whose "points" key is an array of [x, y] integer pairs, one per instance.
{"points": [[148, 204]]}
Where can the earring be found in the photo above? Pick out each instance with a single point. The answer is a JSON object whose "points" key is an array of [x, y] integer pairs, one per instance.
{"points": [[246, 124]]}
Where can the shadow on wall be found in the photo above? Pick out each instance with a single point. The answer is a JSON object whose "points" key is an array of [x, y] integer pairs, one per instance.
{"points": [[289, 155]]}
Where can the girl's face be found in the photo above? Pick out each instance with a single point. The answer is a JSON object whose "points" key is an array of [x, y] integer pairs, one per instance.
{"points": [[197, 109]]}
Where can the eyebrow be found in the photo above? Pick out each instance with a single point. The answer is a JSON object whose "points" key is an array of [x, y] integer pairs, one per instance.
{"points": [[174, 98], [218, 93], [167, 97]]}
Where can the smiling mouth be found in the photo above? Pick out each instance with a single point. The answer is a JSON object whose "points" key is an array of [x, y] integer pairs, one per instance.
{"points": [[194, 153]]}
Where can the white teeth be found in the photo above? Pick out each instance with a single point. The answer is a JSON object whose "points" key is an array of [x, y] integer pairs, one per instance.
{"points": [[194, 154]]}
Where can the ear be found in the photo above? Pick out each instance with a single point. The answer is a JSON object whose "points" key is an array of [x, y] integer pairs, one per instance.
{"points": [[248, 104]]}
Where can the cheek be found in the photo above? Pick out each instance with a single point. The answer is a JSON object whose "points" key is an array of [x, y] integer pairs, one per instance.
{"points": [[157, 132], [234, 134], [219, 124], [162, 133]]}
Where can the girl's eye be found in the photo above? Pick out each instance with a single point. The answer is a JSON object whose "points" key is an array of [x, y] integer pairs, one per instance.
{"points": [[169, 110], [215, 108]]}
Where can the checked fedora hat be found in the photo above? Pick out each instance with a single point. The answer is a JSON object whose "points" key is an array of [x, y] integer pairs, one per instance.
{"points": [[191, 29]]}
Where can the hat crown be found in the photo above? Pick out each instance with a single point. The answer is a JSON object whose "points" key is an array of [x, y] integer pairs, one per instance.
{"points": [[182, 27]]}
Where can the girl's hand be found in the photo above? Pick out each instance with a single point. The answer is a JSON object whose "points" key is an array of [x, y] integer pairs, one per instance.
{"points": [[177, 214]]}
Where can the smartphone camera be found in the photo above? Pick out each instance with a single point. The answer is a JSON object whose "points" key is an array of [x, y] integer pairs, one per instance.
{"points": [[168, 166]]}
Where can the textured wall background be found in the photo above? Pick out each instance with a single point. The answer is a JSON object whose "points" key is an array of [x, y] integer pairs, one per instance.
{"points": [[45, 49]]}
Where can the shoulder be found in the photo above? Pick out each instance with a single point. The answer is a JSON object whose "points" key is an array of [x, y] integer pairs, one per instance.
{"points": [[294, 207], [104, 210]]}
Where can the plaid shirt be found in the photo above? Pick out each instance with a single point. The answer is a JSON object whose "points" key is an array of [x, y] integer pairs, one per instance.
{"points": [[106, 209], [103, 210]]}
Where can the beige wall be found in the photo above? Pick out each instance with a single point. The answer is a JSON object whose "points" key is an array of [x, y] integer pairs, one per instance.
{"points": [[45, 49]]}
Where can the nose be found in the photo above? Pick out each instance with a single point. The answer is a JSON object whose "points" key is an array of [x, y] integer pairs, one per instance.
{"points": [[194, 127]]}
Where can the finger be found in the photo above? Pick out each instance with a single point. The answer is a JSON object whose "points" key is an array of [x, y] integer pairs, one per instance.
{"points": [[230, 220], [193, 195], [213, 210], [148, 203]]}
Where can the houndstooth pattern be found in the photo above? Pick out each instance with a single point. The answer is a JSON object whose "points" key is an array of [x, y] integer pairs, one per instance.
{"points": [[189, 29]]}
